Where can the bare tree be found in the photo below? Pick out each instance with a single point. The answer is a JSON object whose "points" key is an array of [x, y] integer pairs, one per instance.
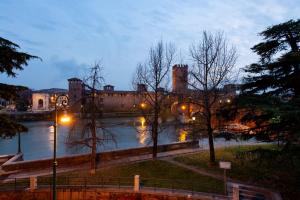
{"points": [[153, 75], [91, 130], [213, 61]]}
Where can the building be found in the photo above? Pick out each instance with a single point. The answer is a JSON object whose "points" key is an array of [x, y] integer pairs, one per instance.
{"points": [[111, 100], [180, 79], [44, 100], [40, 102]]}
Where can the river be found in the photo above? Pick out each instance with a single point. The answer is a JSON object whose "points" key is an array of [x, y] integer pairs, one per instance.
{"points": [[37, 143]]}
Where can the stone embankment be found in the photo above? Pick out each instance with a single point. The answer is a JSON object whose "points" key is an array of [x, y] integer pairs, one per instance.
{"points": [[13, 165]]}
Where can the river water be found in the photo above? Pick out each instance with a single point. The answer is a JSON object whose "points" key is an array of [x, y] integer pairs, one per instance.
{"points": [[37, 143]]}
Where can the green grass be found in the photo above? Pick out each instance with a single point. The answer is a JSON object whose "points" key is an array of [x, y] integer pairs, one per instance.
{"points": [[241, 171], [157, 173], [276, 169]]}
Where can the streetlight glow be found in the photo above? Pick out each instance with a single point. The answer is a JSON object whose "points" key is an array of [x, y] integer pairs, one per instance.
{"points": [[65, 119], [143, 105], [183, 107]]}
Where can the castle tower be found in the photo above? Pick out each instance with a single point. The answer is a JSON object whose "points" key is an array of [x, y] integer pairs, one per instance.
{"points": [[179, 78], [76, 91]]}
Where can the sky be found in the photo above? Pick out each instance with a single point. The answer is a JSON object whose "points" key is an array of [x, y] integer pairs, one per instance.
{"points": [[71, 35]]}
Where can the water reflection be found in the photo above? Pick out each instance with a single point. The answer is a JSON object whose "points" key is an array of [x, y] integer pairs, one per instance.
{"points": [[128, 132], [182, 135], [142, 131], [51, 137]]}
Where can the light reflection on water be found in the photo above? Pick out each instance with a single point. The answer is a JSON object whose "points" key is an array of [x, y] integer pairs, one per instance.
{"points": [[128, 132], [51, 137], [38, 141], [142, 133], [182, 135]]}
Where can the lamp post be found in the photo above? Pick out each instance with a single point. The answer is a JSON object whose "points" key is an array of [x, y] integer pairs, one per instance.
{"points": [[61, 101], [19, 142]]}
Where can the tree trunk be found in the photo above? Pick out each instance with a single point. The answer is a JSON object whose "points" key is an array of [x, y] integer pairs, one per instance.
{"points": [[94, 146], [211, 145], [155, 126], [155, 135], [94, 136], [212, 157]]}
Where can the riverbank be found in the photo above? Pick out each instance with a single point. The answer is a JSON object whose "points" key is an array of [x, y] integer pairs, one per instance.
{"points": [[153, 174], [49, 115]]}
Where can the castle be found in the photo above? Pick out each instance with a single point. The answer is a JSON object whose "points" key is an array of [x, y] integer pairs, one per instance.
{"points": [[112, 100]]}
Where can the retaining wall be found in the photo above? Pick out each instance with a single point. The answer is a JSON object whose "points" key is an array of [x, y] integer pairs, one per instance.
{"points": [[101, 194], [103, 156]]}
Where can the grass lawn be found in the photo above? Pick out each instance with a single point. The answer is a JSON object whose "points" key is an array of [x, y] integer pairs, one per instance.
{"points": [[241, 171], [152, 174], [278, 171]]}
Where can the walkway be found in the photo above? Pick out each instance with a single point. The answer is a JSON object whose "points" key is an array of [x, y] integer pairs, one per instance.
{"points": [[85, 166], [191, 168]]}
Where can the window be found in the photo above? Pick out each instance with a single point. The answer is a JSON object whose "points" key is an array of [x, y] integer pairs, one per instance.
{"points": [[40, 103]]}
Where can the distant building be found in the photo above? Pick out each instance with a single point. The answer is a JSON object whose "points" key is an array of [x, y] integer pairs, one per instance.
{"points": [[76, 91], [40, 102], [44, 100], [111, 100], [180, 79], [108, 88]]}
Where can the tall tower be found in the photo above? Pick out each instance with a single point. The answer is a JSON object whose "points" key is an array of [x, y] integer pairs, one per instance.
{"points": [[76, 91], [179, 78]]}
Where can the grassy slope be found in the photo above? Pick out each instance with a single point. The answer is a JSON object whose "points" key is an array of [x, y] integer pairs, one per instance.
{"points": [[153, 173], [274, 172], [239, 171]]}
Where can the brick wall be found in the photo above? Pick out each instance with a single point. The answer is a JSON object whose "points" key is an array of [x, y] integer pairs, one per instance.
{"points": [[97, 194]]}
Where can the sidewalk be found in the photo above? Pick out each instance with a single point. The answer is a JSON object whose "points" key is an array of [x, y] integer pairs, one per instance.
{"points": [[85, 166]]}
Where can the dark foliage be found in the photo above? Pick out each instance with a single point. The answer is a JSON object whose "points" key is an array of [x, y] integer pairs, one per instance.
{"points": [[10, 92], [271, 90], [284, 175], [9, 128], [278, 70], [272, 115], [10, 60]]}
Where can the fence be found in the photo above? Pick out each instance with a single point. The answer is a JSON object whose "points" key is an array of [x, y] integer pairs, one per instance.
{"points": [[172, 186]]}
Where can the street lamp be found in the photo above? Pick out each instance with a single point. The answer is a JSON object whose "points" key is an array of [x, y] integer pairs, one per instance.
{"points": [[60, 102], [183, 107], [143, 105]]}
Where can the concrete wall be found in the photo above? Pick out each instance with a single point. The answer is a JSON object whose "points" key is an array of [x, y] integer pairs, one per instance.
{"points": [[103, 156], [100, 193]]}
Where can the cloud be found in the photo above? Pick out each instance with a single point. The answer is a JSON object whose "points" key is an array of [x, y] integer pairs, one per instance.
{"points": [[70, 35]]}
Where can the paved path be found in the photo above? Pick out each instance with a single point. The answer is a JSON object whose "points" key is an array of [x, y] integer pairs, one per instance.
{"points": [[85, 166], [194, 169]]}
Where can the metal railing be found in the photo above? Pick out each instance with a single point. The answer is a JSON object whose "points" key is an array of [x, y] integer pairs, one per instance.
{"points": [[153, 184], [173, 186]]}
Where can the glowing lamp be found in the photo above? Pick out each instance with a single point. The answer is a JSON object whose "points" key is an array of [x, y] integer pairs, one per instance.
{"points": [[65, 119], [143, 105], [193, 118], [183, 107]]}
